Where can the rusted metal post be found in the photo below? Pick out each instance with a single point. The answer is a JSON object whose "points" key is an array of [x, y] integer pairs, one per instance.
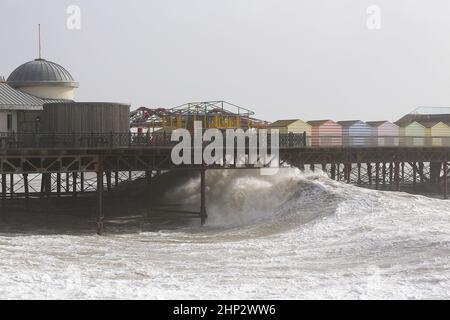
{"points": [[27, 194], [445, 187], [203, 214], [100, 198], [397, 176]]}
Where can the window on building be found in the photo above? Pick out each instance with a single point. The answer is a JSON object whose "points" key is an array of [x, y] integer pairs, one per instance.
{"points": [[9, 122]]}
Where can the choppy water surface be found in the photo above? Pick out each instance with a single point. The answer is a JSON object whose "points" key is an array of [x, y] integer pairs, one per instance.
{"points": [[268, 237]]}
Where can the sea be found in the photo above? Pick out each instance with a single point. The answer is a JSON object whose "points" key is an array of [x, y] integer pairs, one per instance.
{"points": [[293, 235]]}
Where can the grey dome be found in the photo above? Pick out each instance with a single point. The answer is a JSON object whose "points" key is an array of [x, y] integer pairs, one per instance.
{"points": [[41, 72]]}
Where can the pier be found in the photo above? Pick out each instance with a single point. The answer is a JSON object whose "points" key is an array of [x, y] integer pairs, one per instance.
{"points": [[69, 165]]}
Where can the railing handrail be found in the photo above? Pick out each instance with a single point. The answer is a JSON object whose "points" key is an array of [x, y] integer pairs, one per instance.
{"points": [[110, 140]]}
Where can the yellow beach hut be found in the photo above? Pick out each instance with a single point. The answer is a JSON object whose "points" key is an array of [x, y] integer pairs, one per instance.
{"points": [[412, 134], [292, 126], [437, 133]]}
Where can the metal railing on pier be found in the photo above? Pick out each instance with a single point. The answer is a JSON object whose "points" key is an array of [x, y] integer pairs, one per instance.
{"points": [[14, 141]]}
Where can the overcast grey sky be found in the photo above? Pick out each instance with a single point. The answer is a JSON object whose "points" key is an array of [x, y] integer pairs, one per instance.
{"points": [[284, 59]]}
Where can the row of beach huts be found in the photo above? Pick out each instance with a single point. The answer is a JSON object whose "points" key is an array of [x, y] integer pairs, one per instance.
{"points": [[412, 130]]}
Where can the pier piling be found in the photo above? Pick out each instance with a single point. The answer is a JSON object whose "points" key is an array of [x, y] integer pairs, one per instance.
{"points": [[58, 185], [27, 195], [203, 214], [11, 186], [445, 177], [100, 199], [149, 184], [3, 190]]}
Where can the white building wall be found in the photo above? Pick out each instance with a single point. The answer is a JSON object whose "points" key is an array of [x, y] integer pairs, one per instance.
{"points": [[50, 92], [4, 121]]}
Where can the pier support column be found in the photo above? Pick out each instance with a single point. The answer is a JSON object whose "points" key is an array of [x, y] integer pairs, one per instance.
{"points": [[11, 186], [74, 184], [414, 175], [67, 183], [391, 171], [421, 172], [324, 167], [377, 176], [333, 172], [100, 198], [82, 182], [359, 173], [384, 174], [397, 176], [108, 181], [445, 186], [58, 185], [203, 214], [435, 172], [116, 179], [3, 190], [403, 172], [312, 167], [348, 172], [148, 176], [27, 194], [369, 173]]}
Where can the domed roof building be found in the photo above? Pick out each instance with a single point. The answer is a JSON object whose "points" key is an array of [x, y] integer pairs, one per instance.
{"points": [[38, 97], [43, 79]]}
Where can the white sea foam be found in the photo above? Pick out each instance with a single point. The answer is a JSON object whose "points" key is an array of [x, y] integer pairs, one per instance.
{"points": [[292, 235]]}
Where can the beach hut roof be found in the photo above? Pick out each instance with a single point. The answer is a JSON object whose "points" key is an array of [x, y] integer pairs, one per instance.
{"points": [[429, 124], [410, 123], [282, 123], [318, 122], [409, 118], [376, 124], [349, 123]]}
